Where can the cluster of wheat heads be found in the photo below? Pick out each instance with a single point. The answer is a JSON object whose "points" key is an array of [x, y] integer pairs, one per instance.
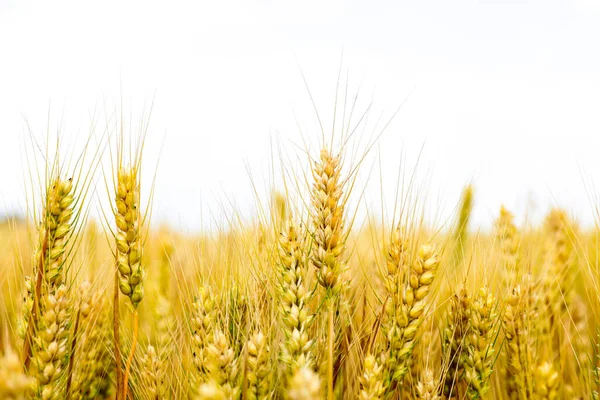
{"points": [[299, 304]]}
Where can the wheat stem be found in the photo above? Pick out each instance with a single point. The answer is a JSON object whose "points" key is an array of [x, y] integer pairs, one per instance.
{"points": [[131, 353]]}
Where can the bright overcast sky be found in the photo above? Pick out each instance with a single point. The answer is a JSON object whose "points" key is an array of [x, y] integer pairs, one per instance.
{"points": [[502, 93]]}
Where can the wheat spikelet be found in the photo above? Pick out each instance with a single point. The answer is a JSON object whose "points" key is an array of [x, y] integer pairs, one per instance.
{"points": [[415, 300], [128, 238], [56, 229], [27, 309], [211, 391], [427, 388], [559, 256], [222, 364], [91, 377], [51, 345], [372, 382], [397, 265], [202, 320], [328, 220], [454, 331], [518, 380], [480, 354], [329, 239], [152, 375], [54, 232], [294, 298], [304, 385], [547, 382], [423, 355], [258, 368], [460, 233], [14, 384], [508, 240]]}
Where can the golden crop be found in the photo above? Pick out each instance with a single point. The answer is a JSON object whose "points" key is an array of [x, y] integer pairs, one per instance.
{"points": [[299, 303]]}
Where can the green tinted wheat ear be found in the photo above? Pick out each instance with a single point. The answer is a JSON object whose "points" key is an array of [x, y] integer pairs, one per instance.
{"points": [[372, 380], [462, 226], [454, 331], [203, 318], [304, 385], [480, 351], [258, 368], [410, 316], [128, 238], [294, 297], [59, 212], [130, 272], [51, 345], [14, 384]]}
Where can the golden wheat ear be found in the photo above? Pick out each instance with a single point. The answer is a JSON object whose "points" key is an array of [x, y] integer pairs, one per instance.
{"points": [[454, 329], [294, 297], [372, 380], [480, 343], [304, 385], [129, 233], [258, 382]]}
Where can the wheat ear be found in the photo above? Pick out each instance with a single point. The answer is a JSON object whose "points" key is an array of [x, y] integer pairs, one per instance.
{"points": [[258, 368], [372, 382], [128, 238], [294, 298], [14, 383], [547, 382], [427, 388], [415, 301], [54, 231], [304, 385], [454, 332], [480, 354]]}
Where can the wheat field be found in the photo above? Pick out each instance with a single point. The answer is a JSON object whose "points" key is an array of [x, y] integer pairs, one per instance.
{"points": [[300, 301]]}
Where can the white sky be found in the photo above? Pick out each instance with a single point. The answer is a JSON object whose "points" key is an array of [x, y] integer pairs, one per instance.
{"points": [[503, 93]]}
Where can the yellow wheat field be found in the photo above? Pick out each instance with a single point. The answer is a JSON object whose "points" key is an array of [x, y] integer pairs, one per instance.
{"points": [[297, 302]]}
